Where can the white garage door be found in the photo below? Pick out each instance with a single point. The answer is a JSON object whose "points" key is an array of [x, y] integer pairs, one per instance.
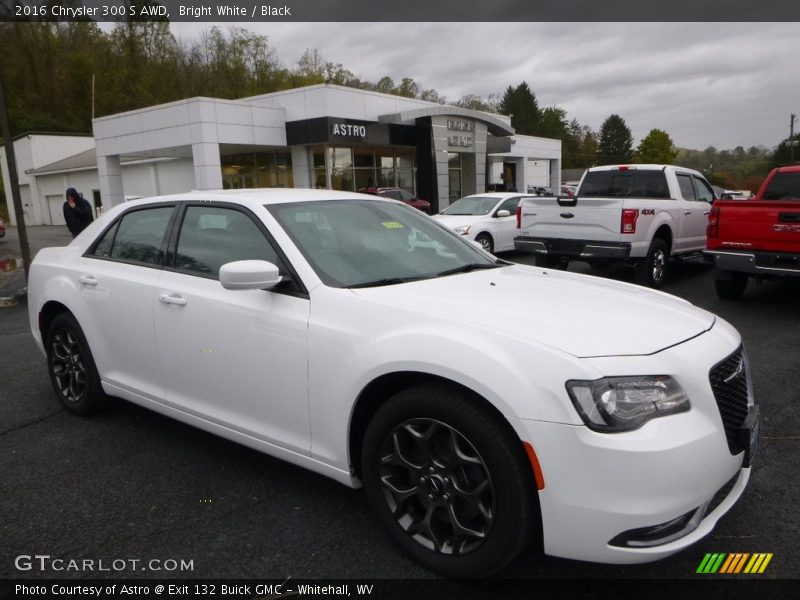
{"points": [[56, 206]]}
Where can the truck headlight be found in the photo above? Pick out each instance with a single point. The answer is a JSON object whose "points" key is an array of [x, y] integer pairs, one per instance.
{"points": [[615, 404], [463, 230]]}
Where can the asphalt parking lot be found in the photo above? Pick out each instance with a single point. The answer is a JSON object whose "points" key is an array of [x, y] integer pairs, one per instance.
{"points": [[131, 484]]}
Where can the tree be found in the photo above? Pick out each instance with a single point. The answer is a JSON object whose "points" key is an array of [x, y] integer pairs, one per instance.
{"points": [[553, 123], [520, 103], [782, 155], [657, 147], [474, 102], [616, 142]]}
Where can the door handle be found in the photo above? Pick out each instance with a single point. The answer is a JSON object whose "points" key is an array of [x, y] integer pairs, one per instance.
{"points": [[88, 280], [175, 299], [707, 212], [687, 212]]}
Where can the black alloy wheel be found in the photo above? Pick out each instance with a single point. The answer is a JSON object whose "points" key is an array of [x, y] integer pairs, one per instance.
{"points": [[71, 366], [450, 481]]}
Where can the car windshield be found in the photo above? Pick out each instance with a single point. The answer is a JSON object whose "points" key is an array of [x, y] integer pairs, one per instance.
{"points": [[364, 243], [472, 205]]}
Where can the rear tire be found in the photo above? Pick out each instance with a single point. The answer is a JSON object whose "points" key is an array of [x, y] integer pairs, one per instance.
{"points": [[730, 285], [652, 271], [450, 481], [71, 367]]}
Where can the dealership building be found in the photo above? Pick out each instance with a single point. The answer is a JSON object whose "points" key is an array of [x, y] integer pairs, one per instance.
{"points": [[321, 136]]}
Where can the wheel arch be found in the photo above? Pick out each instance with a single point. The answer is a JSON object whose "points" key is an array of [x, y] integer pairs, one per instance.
{"points": [[48, 312], [664, 232], [382, 388]]}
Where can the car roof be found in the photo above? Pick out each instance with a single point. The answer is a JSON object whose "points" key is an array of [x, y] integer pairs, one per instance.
{"points": [[498, 195]]}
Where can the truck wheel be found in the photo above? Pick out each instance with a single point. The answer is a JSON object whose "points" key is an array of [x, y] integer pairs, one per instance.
{"points": [[652, 271], [450, 481], [730, 285], [71, 365], [551, 262]]}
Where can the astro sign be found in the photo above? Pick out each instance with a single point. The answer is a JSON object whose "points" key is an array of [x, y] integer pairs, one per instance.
{"points": [[460, 133], [349, 130]]}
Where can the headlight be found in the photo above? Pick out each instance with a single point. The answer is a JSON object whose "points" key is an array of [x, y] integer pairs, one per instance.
{"points": [[615, 404], [463, 230]]}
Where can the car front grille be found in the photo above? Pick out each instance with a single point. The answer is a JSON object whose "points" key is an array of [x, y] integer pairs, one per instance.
{"points": [[729, 384]]}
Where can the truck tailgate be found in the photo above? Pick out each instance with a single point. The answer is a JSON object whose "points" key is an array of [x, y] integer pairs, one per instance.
{"points": [[759, 225], [590, 219]]}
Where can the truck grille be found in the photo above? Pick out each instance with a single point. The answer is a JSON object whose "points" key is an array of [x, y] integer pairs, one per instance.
{"points": [[729, 384]]}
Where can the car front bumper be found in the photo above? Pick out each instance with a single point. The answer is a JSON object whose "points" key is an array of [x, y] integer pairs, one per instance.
{"points": [[645, 494]]}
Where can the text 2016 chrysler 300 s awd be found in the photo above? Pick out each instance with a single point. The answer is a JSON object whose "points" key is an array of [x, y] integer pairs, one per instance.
{"points": [[482, 405]]}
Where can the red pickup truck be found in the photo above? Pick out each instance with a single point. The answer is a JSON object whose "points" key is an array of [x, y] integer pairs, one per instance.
{"points": [[756, 237]]}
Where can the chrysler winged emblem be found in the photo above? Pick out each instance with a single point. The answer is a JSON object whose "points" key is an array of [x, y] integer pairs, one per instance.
{"points": [[736, 372]]}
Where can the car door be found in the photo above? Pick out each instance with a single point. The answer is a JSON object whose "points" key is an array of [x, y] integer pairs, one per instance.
{"points": [[505, 228], [236, 358], [694, 214], [704, 194], [118, 276]]}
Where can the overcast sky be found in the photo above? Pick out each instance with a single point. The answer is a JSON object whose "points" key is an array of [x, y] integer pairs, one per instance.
{"points": [[706, 84]]}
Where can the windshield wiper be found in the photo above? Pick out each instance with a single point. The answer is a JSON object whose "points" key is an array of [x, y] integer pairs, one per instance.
{"points": [[385, 281], [471, 267]]}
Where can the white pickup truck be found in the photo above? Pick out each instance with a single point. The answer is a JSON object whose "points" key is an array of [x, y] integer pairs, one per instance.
{"points": [[639, 214]]}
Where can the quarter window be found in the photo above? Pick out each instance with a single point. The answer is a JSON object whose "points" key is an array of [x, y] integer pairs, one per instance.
{"points": [[212, 236]]}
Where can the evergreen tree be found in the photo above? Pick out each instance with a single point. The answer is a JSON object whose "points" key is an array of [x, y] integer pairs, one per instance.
{"points": [[520, 103], [616, 142]]}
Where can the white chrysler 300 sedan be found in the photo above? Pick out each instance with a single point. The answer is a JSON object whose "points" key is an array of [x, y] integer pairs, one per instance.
{"points": [[482, 405]]}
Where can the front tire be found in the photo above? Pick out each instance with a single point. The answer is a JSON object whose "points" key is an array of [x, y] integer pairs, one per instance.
{"points": [[485, 240], [450, 481], [652, 271], [71, 367]]}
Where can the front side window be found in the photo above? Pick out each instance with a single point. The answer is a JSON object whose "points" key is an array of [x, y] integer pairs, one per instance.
{"points": [[211, 236], [703, 190], [136, 237], [510, 205]]}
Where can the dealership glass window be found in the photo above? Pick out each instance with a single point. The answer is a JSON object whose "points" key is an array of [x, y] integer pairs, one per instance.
{"points": [[271, 168], [355, 167], [454, 175]]}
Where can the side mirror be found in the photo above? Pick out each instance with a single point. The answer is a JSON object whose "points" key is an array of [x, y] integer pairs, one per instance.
{"points": [[502, 213], [249, 275]]}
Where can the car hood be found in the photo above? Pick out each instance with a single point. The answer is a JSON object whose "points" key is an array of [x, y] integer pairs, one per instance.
{"points": [[582, 315], [452, 221]]}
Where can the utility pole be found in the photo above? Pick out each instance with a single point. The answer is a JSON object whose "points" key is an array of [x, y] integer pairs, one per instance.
{"points": [[11, 159], [791, 138]]}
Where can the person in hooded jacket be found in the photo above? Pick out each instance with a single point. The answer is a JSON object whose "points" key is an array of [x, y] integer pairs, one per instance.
{"points": [[77, 212]]}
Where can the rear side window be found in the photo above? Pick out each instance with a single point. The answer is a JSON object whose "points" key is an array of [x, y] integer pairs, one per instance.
{"points": [[625, 184], [136, 237], [784, 186]]}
